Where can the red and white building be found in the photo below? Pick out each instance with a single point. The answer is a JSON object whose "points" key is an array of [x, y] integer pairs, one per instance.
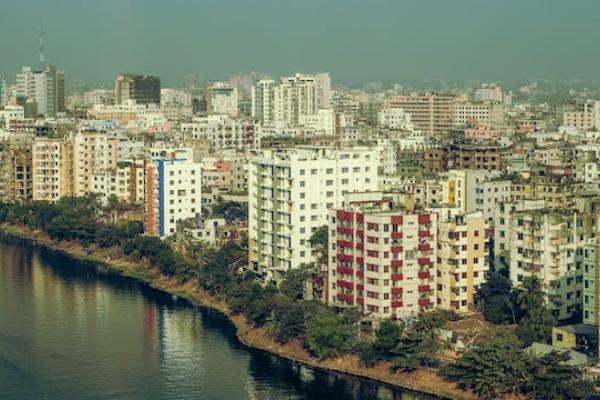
{"points": [[382, 259]]}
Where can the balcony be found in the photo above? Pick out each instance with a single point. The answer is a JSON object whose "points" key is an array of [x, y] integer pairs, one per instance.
{"points": [[344, 284], [360, 260], [360, 232], [344, 270], [348, 298], [424, 274], [360, 300], [344, 215], [397, 220], [344, 243], [397, 290], [360, 273], [396, 304], [397, 249], [424, 234], [397, 277], [360, 218], [424, 261], [424, 218], [396, 263], [424, 288], [344, 257], [424, 302], [424, 247], [397, 235], [360, 246], [360, 286], [344, 230]]}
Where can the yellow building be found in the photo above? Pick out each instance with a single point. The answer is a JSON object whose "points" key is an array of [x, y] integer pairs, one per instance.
{"points": [[462, 258]]}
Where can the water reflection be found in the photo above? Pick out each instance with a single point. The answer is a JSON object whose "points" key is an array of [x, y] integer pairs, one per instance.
{"points": [[75, 331]]}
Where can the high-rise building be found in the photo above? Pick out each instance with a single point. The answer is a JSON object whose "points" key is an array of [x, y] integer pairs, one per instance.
{"points": [[2, 92], [289, 193], [143, 89], [463, 258], [294, 98], [173, 193], [52, 165], [290, 100], [46, 87], [489, 92], [381, 258], [429, 112], [262, 101], [221, 98]]}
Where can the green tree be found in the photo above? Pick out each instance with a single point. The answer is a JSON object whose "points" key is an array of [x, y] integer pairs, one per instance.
{"points": [[495, 368], [387, 335], [326, 334], [293, 283], [537, 321], [319, 241], [551, 378], [231, 210]]}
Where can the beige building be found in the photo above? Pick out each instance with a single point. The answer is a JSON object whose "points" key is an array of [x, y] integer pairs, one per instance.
{"points": [[463, 252], [429, 112], [52, 166]]}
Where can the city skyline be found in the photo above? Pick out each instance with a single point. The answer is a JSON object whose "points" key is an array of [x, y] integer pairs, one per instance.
{"points": [[354, 41]]}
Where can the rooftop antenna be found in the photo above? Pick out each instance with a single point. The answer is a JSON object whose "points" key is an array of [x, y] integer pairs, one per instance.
{"points": [[42, 56]]}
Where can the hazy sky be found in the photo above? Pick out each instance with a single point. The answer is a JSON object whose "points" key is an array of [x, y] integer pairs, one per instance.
{"points": [[357, 41]]}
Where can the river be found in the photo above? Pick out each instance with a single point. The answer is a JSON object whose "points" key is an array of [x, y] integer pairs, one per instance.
{"points": [[74, 330]]}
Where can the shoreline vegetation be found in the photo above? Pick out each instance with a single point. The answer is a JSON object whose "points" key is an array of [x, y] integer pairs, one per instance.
{"points": [[423, 381], [280, 320]]}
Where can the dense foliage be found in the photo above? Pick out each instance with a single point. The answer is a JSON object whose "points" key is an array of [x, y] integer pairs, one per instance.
{"points": [[499, 366], [231, 210]]}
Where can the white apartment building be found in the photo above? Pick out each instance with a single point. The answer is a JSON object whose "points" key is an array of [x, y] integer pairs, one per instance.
{"points": [[545, 243], [125, 182], [394, 118], [221, 98], [45, 87], [489, 92], [485, 114], [290, 192], [223, 133], [502, 228], [262, 101], [289, 101], [92, 153], [173, 193], [9, 114]]}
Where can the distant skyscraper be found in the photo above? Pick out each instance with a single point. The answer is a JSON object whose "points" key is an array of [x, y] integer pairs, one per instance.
{"points": [[2, 92], [143, 89], [46, 87]]}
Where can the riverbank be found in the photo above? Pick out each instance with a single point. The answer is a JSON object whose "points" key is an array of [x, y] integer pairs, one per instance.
{"points": [[424, 380]]}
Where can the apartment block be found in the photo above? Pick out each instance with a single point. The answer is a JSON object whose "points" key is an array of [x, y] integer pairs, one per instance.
{"points": [[545, 243], [52, 166], [382, 259], [463, 258], [290, 192], [429, 112], [173, 193]]}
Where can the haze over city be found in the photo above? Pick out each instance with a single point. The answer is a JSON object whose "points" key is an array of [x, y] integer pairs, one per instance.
{"points": [[356, 41]]}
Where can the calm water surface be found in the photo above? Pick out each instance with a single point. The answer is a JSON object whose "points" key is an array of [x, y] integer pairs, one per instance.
{"points": [[70, 330]]}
